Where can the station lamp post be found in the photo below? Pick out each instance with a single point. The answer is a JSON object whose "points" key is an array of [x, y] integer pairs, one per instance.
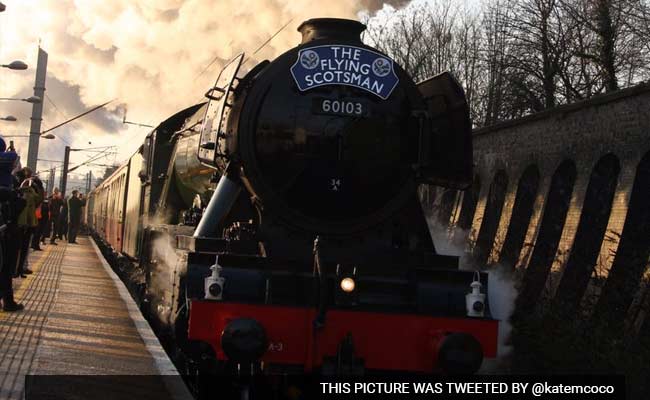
{"points": [[17, 65], [30, 99], [46, 136], [37, 109]]}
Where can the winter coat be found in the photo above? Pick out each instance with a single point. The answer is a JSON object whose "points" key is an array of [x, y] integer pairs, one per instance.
{"points": [[7, 161], [74, 209], [56, 202], [27, 217]]}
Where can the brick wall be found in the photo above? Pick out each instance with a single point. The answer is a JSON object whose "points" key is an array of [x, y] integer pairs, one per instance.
{"points": [[617, 123]]}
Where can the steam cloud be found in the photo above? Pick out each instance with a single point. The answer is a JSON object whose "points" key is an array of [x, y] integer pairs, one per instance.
{"points": [[501, 294], [146, 54], [162, 275]]}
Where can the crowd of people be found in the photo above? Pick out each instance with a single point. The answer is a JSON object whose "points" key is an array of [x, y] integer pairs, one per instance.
{"points": [[29, 217]]}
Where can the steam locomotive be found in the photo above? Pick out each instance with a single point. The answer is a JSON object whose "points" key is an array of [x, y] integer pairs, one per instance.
{"points": [[313, 253]]}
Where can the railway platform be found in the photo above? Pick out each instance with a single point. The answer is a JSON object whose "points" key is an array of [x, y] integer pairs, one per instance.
{"points": [[79, 320]]}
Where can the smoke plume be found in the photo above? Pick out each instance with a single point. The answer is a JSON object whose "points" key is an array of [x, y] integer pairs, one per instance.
{"points": [[153, 56]]}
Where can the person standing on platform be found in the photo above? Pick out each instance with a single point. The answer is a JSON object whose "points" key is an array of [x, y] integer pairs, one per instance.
{"points": [[63, 220], [37, 231], [75, 204], [26, 224], [56, 202], [10, 206], [44, 222]]}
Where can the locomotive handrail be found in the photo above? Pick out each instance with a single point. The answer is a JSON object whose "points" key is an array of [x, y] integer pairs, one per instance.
{"points": [[215, 112], [209, 145], [423, 118], [209, 95], [319, 269]]}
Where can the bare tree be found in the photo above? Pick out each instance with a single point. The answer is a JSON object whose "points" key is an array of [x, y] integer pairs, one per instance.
{"points": [[429, 39], [613, 39], [495, 51], [516, 57], [468, 66], [419, 37], [539, 36]]}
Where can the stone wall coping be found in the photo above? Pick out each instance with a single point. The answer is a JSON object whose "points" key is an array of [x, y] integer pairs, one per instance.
{"points": [[600, 99]]}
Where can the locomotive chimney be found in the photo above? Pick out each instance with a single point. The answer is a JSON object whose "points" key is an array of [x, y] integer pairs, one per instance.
{"points": [[331, 29]]}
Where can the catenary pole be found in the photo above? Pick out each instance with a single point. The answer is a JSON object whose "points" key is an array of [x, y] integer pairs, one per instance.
{"points": [[37, 110]]}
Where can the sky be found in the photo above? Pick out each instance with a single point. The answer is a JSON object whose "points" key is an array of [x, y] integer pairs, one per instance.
{"points": [[150, 56]]}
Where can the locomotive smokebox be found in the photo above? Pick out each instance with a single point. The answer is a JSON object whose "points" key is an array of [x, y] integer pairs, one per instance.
{"points": [[333, 136], [331, 29], [325, 135]]}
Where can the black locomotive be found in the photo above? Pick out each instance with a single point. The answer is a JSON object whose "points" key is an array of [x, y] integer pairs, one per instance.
{"points": [[313, 253]]}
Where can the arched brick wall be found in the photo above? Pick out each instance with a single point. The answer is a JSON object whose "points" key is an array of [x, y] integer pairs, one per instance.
{"points": [[632, 254], [565, 145], [588, 240], [491, 218], [550, 232], [522, 211]]}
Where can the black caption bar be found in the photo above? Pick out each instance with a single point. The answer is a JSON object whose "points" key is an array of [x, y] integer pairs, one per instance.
{"points": [[298, 387], [520, 387]]}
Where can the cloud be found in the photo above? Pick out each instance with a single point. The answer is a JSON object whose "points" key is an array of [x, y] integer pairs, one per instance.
{"points": [[147, 54]]}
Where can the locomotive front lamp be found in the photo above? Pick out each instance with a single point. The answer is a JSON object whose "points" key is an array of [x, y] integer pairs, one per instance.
{"points": [[214, 283], [347, 285], [215, 290], [475, 300], [346, 294]]}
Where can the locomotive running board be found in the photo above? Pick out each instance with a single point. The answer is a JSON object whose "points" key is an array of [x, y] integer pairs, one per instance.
{"points": [[213, 245]]}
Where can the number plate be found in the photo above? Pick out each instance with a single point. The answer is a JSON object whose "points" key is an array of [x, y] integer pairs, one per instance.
{"points": [[346, 107]]}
